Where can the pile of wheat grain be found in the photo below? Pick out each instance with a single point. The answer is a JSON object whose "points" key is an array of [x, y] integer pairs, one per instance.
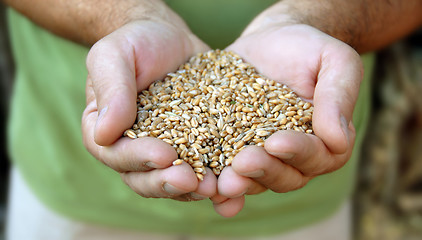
{"points": [[213, 106]]}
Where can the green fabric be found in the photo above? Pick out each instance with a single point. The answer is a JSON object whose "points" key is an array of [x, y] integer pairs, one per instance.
{"points": [[45, 143], [218, 22]]}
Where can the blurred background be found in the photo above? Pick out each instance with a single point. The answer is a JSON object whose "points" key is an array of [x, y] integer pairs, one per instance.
{"points": [[6, 76], [388, 200]]}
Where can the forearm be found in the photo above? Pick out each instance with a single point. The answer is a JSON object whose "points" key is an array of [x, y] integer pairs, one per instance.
{"points": [[366, 25], [87, 21]]}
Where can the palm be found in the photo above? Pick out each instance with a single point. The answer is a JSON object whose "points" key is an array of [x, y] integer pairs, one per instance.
{"points": [[291, 55]]}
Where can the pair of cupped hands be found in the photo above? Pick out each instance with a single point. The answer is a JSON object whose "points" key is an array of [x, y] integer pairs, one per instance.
{"points": [[318, 67]]}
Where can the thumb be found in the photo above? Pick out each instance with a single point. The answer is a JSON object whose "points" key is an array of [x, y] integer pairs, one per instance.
{"points": [[112, 79], [335, 96]]}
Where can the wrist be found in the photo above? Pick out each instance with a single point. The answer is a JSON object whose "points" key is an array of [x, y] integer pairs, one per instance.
{"points": [[363, 25], [88, 21], [274, 17], [323, 16], [136, 11]]}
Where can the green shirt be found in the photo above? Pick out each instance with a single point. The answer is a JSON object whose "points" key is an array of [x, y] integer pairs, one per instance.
{"points": [[45, 141]]}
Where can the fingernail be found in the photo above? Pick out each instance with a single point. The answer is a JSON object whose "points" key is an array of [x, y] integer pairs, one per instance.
{"points": [[170, 189], [345, 127], [101, 115], [283, 156], [286, 156], [239, 195], [254, 174], [197, 196], [152, 165]]}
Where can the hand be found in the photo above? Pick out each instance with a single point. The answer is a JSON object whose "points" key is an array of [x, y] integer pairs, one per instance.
{"points": [[318, 68], [119, 66]]}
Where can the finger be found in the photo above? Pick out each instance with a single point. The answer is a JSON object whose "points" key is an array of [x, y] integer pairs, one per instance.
{"points": [[112, 72], [256, 163], [171, 182], [232, 185], [335, 96], [141, 154], [228, 207], [206, 188], [306, 152]]}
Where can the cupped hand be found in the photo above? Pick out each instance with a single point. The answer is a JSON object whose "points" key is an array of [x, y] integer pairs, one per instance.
{"points": [[120, 66], [320, 69]]}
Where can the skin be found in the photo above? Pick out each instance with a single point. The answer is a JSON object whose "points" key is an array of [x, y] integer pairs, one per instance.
{"points": [[329, 75], [139, 54], [310, 46], [313, 48]]}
